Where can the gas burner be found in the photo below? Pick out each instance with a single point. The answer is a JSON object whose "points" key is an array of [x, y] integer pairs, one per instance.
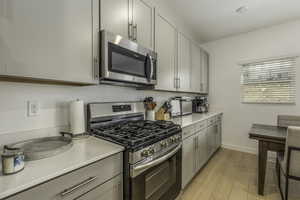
{"points": [[137, 134]]}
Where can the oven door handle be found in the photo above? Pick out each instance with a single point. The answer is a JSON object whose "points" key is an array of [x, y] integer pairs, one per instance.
{"points": [[157, 161]]}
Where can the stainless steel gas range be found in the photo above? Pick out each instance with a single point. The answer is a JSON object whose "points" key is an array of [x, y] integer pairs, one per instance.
{"points": [[152, 159]]}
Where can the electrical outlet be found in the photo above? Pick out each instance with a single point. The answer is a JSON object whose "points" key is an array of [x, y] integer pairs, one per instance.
{"points": [[33, 108]]}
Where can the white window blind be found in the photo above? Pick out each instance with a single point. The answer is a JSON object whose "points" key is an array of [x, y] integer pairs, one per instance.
{"points": [[271, 81]]}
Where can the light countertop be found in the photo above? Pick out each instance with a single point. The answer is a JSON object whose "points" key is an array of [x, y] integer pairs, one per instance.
{"points": [[82, 153], [188, 120]]}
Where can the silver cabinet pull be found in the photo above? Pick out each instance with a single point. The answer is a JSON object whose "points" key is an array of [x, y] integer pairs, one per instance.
{"points": [[78, 186], [135, 27], [130, 30]]}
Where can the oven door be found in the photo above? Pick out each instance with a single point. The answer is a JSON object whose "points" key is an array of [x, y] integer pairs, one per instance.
{"points": [[158, 182], [126, 61]]}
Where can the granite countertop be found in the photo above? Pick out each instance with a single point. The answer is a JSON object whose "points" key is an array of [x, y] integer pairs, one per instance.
{"points": [[82, 153], [188, 120]]}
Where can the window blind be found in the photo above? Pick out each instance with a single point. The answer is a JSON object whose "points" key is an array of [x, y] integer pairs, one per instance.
{"points": [[270, 81]]}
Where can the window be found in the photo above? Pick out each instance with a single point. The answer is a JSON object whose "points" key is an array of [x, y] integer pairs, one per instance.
{"points": [[270, 81]]}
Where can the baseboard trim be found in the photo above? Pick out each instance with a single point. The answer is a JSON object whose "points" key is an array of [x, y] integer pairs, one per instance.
{"points": [[240, 148]]}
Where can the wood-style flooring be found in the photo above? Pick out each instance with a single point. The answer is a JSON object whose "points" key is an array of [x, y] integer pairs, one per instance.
{"points": [[231, 175]]}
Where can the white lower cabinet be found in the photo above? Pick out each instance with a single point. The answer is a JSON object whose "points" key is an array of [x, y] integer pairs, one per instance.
{"points": [[111, 190], [201, 149], [188, 163], [199, 145], [101, 180]]}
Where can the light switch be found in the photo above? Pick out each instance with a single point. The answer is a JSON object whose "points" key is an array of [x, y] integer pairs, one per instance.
{"points": [[33, 108]]}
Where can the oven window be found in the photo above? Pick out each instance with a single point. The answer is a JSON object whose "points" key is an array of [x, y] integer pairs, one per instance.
{"points": [[124, 61]]}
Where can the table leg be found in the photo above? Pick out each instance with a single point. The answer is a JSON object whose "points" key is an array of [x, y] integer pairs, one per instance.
{"points": [[262, 164]]}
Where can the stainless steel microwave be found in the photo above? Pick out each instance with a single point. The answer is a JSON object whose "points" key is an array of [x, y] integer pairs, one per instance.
{"points": [[123, 60]]}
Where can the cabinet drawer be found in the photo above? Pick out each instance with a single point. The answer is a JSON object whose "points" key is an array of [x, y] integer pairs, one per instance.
{"points": [[188, 131], [211, 121], [201, 125], [76, 183], [111, 190]]}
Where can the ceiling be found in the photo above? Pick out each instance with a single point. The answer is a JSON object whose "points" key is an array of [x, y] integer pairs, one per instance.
{"points": [[215, 19]]}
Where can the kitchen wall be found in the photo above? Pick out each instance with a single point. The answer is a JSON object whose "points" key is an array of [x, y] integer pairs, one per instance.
{"points": [[54, 104], [225, 79], [14, 123]]}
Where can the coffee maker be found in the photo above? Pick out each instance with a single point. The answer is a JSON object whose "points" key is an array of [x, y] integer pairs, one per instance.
{"points": [[200, 104]]}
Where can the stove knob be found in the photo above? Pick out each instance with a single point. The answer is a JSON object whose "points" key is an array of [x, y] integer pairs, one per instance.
{"points": [[151, 151], [145, 153], [163, 144]]}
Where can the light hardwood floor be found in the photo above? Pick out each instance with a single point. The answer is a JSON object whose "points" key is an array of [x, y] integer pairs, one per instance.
{"points": [[231, 175]]}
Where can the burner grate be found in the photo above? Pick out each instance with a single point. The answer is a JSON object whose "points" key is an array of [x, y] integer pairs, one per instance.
{"points": [[137, 133]]}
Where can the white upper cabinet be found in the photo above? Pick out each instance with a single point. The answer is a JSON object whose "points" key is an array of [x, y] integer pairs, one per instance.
{"points": [[116, 17], [51, 40], [166, 42], [196, 69], [184, 64], [204, 72], [143, 23], [132, 19]]}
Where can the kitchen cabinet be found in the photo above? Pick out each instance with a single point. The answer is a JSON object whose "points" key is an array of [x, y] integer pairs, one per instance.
{"points": [[196, 68], [143, 23], [116, 17], [201, 149], [100, 180], [132, 19], [111, 190], [204, 79], [200, 142], [211, 140], [184, 64], [188, 160], [219, 132], [53, 40], [166, 48]]}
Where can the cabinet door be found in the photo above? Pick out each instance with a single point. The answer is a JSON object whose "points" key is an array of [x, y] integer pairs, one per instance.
{"points": [[202, 149], [50, 40], [143, 18], [166, 48], [111, 190], [188, 160], [204, 71], [184, 63], [211, 141], [219, 134], [196, 69], [116, 16]]}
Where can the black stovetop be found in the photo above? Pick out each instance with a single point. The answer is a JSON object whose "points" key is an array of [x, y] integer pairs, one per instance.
{"points": [[136, 134]]}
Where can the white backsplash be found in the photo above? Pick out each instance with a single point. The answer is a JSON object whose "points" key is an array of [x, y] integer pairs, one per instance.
{"points": [[15, 125]]}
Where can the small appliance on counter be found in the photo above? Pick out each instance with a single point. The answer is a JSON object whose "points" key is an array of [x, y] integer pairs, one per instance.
{"points": [[200, 104], [181, 106]]}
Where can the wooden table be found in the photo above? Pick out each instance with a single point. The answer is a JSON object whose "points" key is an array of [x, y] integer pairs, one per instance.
{"points": [[270, 138]]}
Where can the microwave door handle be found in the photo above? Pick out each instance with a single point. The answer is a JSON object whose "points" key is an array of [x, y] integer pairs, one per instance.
{"points": [[152, 67]]}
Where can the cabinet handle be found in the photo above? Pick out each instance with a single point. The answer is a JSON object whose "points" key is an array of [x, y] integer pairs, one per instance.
{"points": [[96, 68], [130, 30], [179, 85], [78, 186], [135, 27]]}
